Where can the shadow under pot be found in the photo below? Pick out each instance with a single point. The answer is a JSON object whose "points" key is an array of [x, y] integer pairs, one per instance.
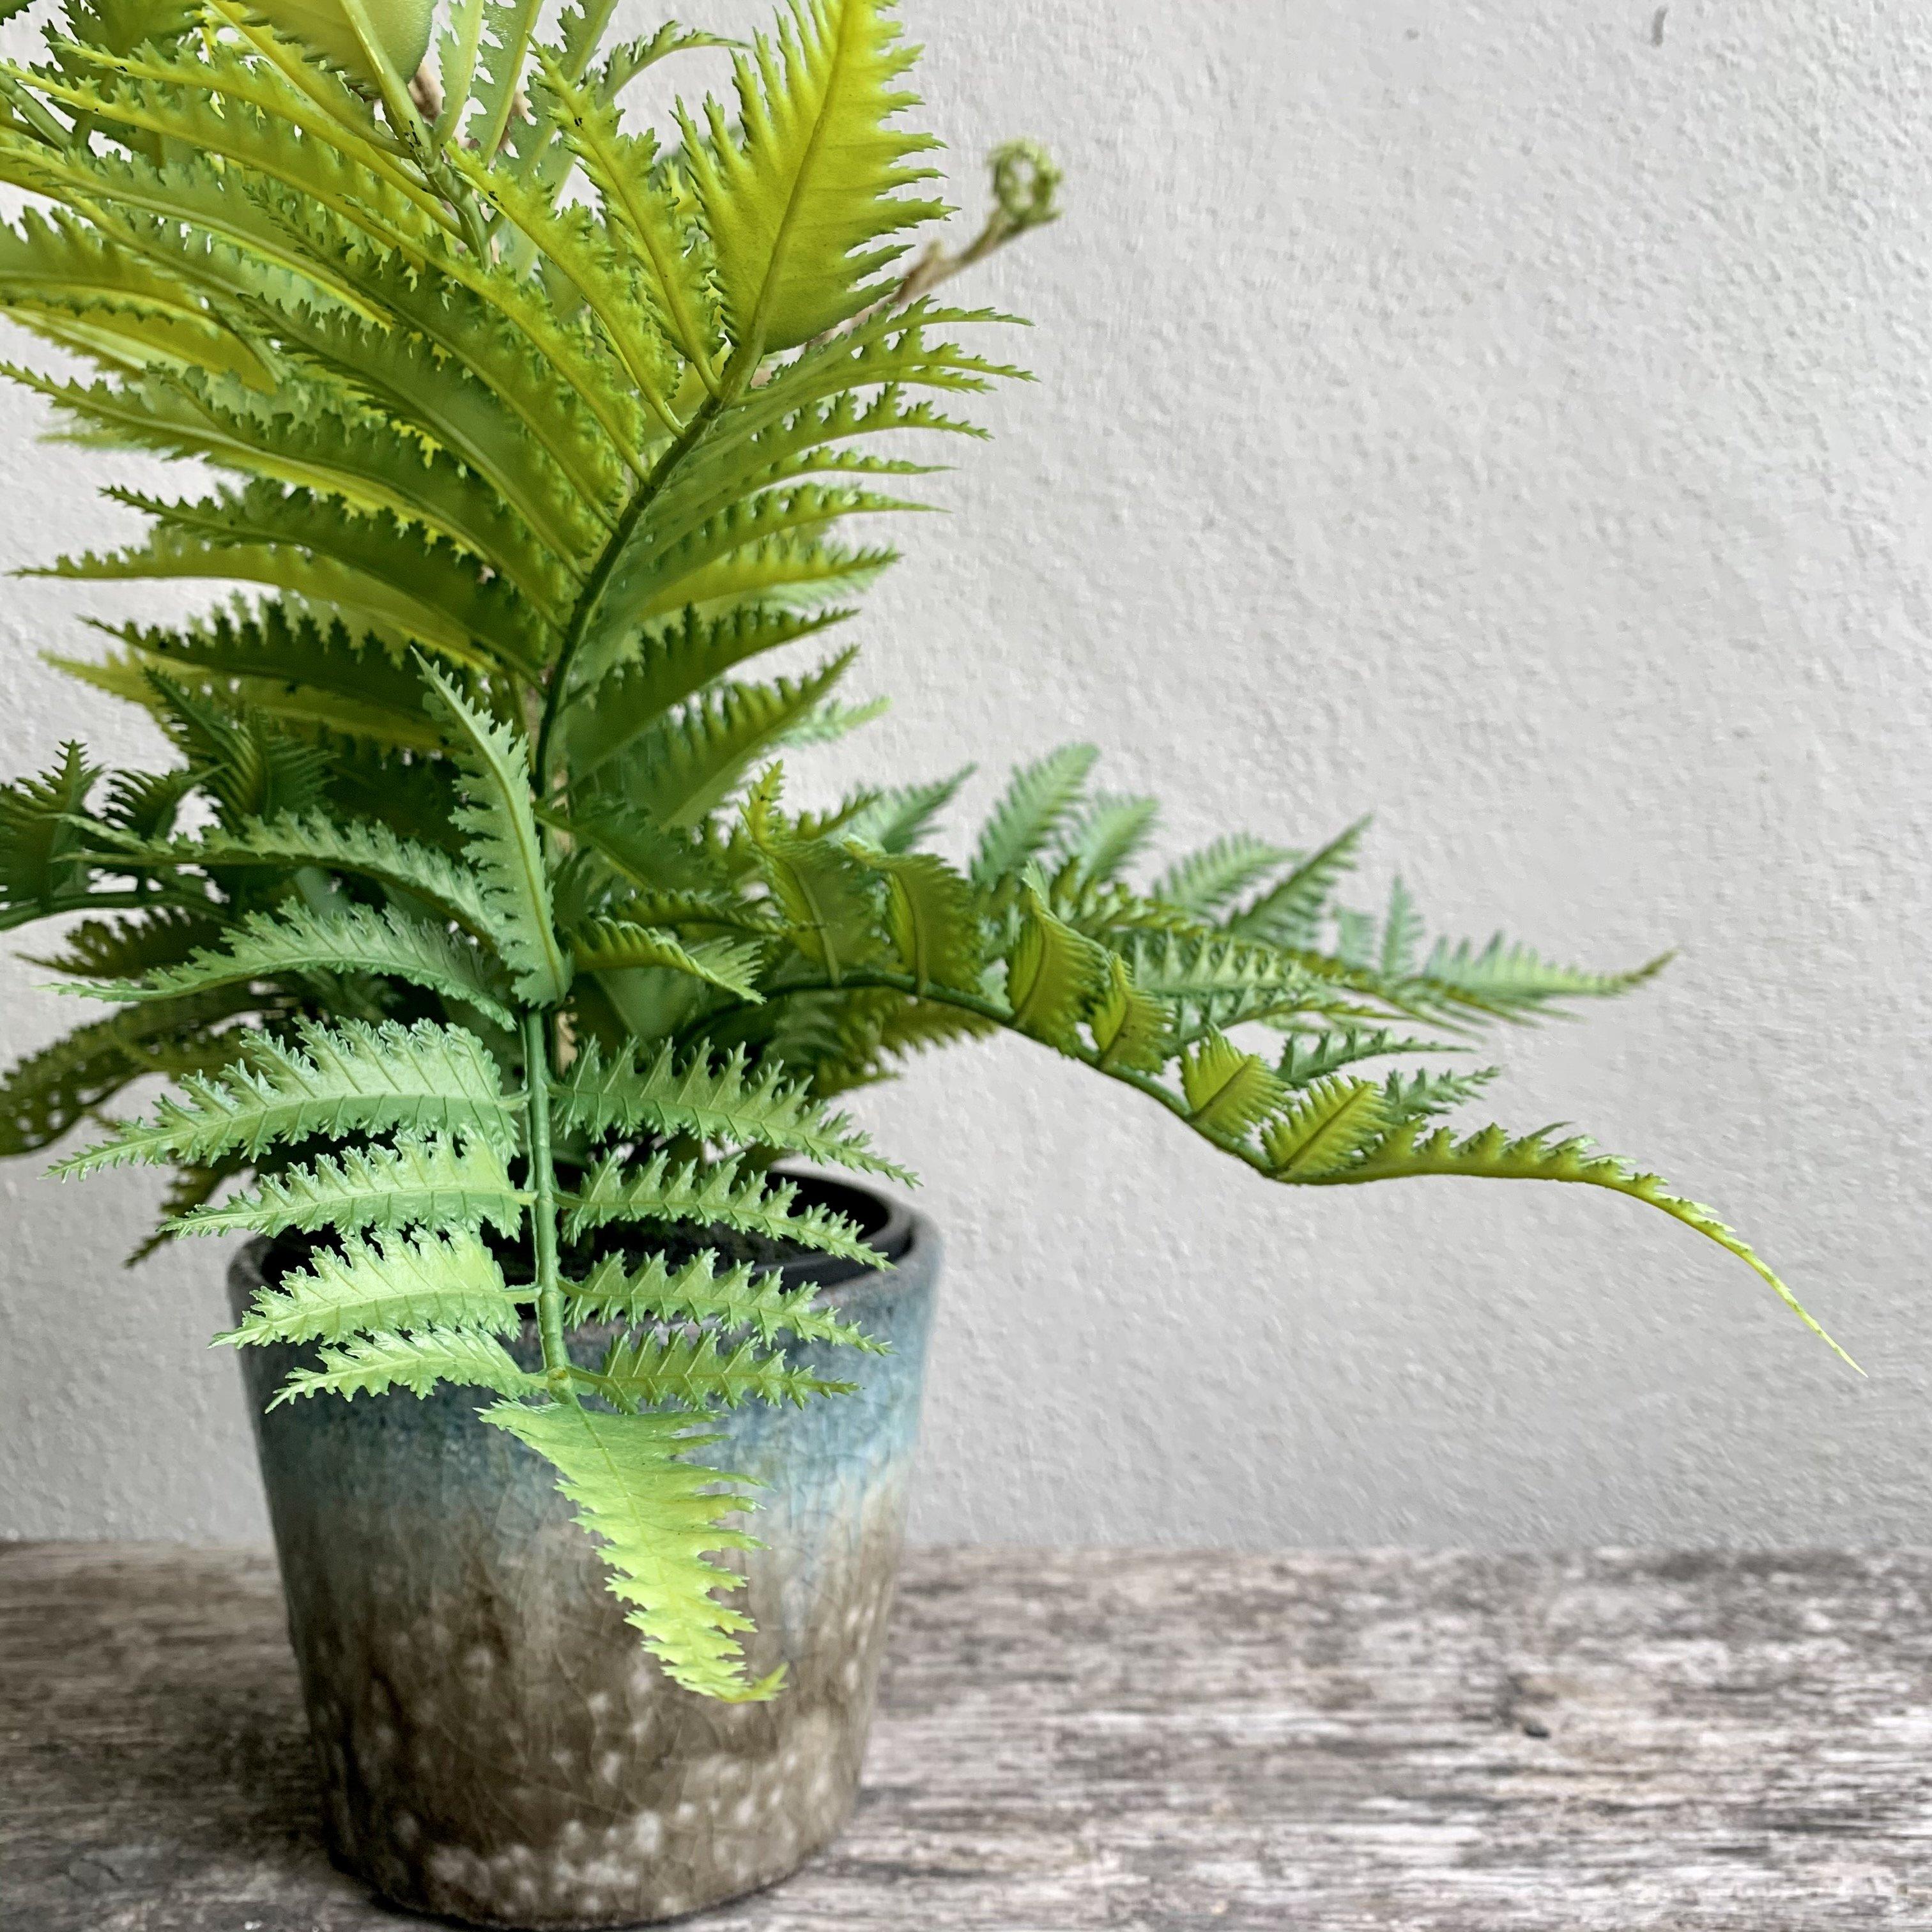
{"points": [[494, 1743]]}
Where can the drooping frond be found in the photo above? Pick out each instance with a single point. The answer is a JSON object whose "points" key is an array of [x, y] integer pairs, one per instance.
{"points": [[1511, 981], [1491, 1154], [658, 1514]]}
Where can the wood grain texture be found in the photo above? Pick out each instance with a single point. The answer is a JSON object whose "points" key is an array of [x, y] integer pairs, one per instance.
{"points": [[1121, 1739]]}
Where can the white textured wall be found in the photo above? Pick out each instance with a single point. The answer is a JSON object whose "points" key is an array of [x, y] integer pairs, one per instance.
{"points": [[1481, 413]]}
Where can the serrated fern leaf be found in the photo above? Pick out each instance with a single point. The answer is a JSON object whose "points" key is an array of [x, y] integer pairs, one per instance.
{"points": [[1227, 1090], [681, 770], [824, 892], [657, 1515], [99, 949], [375, 1364], [933, 920], [898, 818], [422, 1180], [723, 1103], [1111, 833], [397, 1285], [1491, 1154], [353, 939], [504, 845], [1131, 1032], [799, 209], [1032, 810], [617, 945], [695, 1372], [1510, 981], [1289, 913], [42, 846], [1054, 976], [719, 1196], [328, 1080], [1203, 882], [743, 1299], [46, 1094], [1308, 1057], [1326, 1126], [1401, 934], [348, 845]]}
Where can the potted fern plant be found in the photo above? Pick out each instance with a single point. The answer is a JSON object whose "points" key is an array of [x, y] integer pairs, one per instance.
{"points": [[495, 975]]}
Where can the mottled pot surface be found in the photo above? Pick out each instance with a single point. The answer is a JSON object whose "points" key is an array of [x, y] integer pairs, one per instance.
{"points": [[495, 1745]]}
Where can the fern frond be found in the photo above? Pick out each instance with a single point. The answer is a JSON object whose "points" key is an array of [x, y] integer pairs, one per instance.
{"points": [[285, 664], [1112, 831], [370, 849], [445, 1282], [680, 771], [1227, 1091], [130, 948], [428, 1181], [898, 819], [668, 666], [345, 1077], [619, 945], [1307, 1057], [45, 1095], [1289, 913], [744, 1299], [719, 1196], [693, 1372], [42, 848], [798, 210], [1131, 1031], [640, 215], [821, 888], [354, 939], [1510, 981], [1490, 1154], [504, 845], [1326, 1126], [1031, 812], [933, 920], [1203, 882], [1054, 976], [374, 1364], [657, 1515], [724, 1103]]}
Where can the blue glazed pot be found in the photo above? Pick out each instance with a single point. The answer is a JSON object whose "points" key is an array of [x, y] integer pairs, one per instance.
{"points": [[494, 1744]]}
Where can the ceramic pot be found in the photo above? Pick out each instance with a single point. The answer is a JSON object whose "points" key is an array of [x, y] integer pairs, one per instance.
{"points": [[494, 1744]]}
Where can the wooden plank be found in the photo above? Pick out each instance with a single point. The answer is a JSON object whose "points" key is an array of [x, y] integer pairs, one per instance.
{"points": [[1120, 1739]]}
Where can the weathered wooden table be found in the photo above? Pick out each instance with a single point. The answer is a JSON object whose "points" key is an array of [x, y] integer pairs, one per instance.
{"points": [[1124, 1739]]}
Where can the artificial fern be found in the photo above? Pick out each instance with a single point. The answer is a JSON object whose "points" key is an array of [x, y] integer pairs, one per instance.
{"points": [[471, 920]]}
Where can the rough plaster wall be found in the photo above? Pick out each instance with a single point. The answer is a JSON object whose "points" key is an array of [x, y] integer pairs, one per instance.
{"points": [[1482, 413]]}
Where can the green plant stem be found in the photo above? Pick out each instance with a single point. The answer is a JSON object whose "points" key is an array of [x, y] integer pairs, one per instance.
{"points": [[542, 1182], [599, 581]]}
